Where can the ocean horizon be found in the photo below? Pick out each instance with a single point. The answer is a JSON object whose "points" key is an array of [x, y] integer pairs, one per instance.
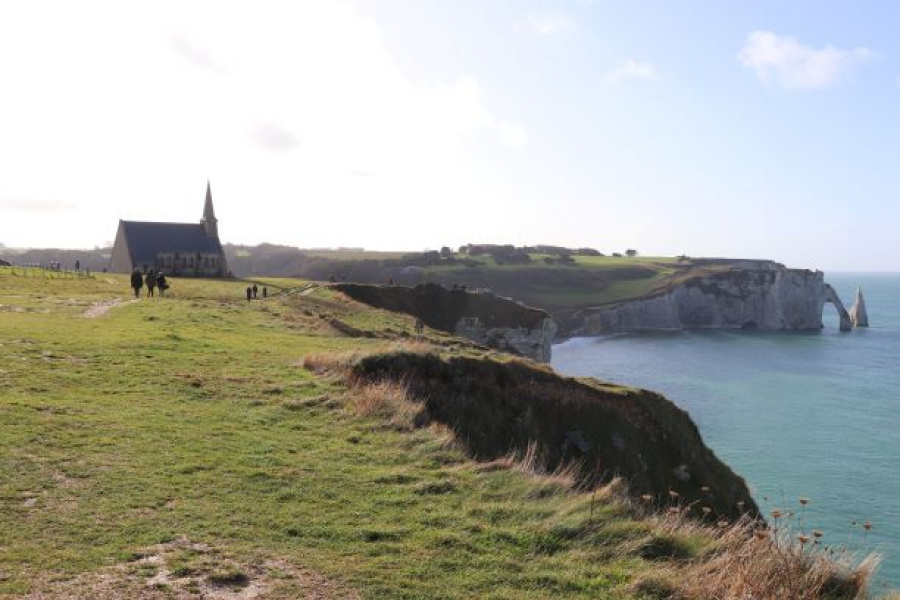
{"points": [[797, 414]]}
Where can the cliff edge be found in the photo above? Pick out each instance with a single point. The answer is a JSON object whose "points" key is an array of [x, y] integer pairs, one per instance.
{"points": [[483, 318], [602, 430], [759, 295]]}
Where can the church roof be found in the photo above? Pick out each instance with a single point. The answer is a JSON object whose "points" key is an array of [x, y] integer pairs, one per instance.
{"points": [[147, 239]]}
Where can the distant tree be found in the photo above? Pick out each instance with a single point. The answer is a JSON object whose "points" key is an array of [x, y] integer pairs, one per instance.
{"points": [[547, 249], [617, 255], [516, 257], [446, 252], [630, 252]]}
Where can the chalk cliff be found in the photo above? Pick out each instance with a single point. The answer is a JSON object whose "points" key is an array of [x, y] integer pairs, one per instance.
{"points": [[767, 296], [858, 314], [483, 318], [535, 342]]}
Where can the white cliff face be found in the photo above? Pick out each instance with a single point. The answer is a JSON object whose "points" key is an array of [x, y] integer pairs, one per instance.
{"points": [[765, 299], [534, 343], [858, 314]]}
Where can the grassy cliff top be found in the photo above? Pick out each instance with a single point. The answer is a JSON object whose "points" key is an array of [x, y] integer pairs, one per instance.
{"points": [[543, 280], [441, 308], [177, 446]]}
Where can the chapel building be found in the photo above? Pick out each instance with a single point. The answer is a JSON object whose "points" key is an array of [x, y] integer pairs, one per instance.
{"points": [[180, 249]]}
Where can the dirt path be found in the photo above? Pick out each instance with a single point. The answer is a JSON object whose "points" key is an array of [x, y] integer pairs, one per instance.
{"points": [[99, 309]]}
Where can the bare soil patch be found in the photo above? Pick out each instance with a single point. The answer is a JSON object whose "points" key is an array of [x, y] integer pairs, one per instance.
{"points": [[99, 309], [185, 569]]}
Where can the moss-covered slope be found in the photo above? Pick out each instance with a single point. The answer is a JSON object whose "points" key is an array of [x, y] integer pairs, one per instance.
{"points": [[441, 308], [501, 408]]}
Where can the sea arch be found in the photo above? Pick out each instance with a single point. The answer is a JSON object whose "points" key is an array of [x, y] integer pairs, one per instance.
{"points": [[832, 298]]}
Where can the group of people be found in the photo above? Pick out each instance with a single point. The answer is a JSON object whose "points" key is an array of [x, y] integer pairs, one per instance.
{"points": [[252, 291], [153, 281], [157, 281]]}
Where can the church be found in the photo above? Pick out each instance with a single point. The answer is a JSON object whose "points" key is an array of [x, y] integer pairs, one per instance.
{"points": [[181, 249]]}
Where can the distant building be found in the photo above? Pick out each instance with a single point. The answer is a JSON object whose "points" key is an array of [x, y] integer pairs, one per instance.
{"points": [[185, 249]]}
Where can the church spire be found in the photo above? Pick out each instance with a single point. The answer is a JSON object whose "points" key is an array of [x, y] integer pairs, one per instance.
{"points": [[209, 221]]}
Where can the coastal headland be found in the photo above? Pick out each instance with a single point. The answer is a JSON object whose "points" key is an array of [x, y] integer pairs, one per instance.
{"points": [[305, 442]]}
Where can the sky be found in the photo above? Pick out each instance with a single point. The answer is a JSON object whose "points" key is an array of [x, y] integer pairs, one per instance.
{"points": [[764, 128]]}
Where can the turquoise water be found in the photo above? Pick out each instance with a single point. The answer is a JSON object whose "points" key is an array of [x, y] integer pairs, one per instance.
{"points": [[796, 414]]}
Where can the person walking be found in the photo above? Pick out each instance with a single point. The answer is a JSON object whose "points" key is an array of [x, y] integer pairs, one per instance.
{"points": [[161, 283], [265, 292], [137, 282], [249, 293], [150, 282], [255, 289]]}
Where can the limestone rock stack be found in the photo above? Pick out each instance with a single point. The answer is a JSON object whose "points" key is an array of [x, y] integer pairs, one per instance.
{"points": [[858, 313]]}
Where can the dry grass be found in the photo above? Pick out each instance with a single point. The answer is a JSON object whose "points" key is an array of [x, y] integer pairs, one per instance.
{"points": [[391, 401], [530, 462], [747, 559], [388, 400], [754, 563], [325, 363], [413, 347], [340, 363]]}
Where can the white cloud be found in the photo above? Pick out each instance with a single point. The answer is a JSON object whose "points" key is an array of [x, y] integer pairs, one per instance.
{"points": [[545, 24], [787, 62], [272, 137], [194, 54], [632, 70], [35, 205]]}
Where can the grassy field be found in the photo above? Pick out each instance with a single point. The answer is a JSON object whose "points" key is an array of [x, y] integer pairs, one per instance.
{"points": [[175, 446], [356, 254], [543, 282], [588, 281]]}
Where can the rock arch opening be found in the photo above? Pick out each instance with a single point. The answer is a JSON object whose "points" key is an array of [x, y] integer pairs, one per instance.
{"points": [[832, 298]]}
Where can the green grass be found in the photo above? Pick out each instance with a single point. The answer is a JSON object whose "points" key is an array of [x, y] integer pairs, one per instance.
{"points": [[190, 416], [356, 254], [588, 281], [612, 262]]}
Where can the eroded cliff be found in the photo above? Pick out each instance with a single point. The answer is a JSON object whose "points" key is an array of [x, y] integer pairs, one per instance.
{"points": [[483, 318], [764, 296], [604, 431]]}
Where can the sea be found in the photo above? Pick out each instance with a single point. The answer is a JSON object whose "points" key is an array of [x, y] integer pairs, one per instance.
{"points": [[797, 414]]}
